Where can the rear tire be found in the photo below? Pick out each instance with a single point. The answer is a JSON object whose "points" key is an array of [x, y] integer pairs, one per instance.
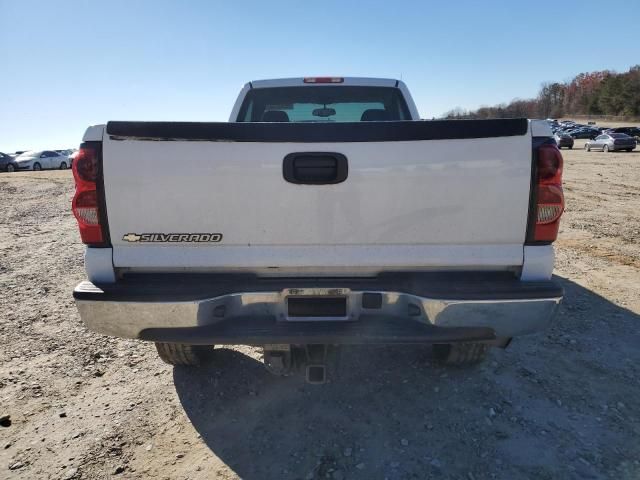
{"points": [[11, 168], [571, 147], [184, 355], [629, 149], [606, 149], [460, 354], [63, 166], [587, 147], [37, 167]]}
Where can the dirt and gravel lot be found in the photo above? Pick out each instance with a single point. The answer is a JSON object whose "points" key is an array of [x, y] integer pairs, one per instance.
{"points": [[563, 404]]}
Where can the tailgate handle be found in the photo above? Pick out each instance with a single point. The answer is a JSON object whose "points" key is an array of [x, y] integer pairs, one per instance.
{"points": [[315, 168]]}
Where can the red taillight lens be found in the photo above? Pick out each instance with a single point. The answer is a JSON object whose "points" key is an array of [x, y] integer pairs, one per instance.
{"points": [[549, 164], [85, 167], [85, 204], [549, 196]]}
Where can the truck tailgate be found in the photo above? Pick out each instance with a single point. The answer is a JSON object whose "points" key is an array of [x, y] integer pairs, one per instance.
{"points": [[445, 194]]}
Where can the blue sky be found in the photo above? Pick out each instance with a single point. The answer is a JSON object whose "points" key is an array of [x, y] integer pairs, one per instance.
{"points": [[68, 64]]}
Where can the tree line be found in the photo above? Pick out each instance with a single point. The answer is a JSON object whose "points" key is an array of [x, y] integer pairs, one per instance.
{"points": [[595, 93]]}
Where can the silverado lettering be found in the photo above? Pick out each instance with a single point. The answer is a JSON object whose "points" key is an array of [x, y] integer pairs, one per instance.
{"points": [[172, 237]]}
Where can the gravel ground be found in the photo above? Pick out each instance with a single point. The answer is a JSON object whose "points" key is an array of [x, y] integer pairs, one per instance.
{"points": [[562, 404]]}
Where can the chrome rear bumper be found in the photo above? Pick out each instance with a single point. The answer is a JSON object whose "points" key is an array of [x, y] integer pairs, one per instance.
{"points": [[182, 312]]}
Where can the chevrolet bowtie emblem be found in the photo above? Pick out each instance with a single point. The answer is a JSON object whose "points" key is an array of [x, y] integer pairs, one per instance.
{"points": [[131, 237]]}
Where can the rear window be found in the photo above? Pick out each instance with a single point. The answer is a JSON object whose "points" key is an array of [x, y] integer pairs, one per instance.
{"points": [[618, 135], [323, 104]]}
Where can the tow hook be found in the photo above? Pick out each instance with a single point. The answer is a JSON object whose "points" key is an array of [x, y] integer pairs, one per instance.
{"points": [[312, 359]]}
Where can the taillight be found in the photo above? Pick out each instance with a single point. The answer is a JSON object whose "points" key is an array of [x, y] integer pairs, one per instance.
{"points": [[548, 195], [86, 204], [86, 165], [323, 80]]}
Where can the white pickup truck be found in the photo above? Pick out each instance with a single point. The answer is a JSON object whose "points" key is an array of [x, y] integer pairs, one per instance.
{"points": [[325, 212]]}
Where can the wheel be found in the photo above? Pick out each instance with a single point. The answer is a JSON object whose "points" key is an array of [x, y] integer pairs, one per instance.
{"points": [[629, 149], [11, 168], [63, 166], [185, 355], [37, 167], [606, 149], [587, 147], [460, 353], [571, 147]]}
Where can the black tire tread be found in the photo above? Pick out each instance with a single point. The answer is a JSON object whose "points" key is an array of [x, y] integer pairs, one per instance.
{"points": [[182, 354], [461, 354]]}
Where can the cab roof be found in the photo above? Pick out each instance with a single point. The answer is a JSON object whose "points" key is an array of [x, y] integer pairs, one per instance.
{"points": [[300, 82]]}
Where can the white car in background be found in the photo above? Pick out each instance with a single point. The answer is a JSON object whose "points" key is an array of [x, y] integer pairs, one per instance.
{"points": [[42, 160], [72, 156]]}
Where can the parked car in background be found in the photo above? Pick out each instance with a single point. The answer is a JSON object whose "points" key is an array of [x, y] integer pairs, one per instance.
{"points": [[42, 160], [67, 153], [584, 132], [610, 142], [631, 131], [568, 125], [563, 140], [72, 157], [571, 127], [7, 163]]}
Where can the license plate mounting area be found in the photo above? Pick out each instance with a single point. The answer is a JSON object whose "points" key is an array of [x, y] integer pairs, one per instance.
{"points": [[316, 304]]}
